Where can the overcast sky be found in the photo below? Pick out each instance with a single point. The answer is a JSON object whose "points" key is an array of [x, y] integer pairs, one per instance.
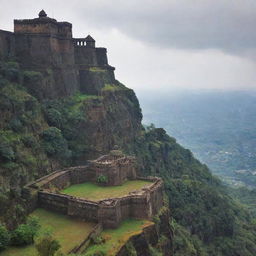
{"points": [[161, 44]]}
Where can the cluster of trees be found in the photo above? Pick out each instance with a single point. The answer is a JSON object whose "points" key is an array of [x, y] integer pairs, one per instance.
{"points": [[23, 235], [29, 233]]}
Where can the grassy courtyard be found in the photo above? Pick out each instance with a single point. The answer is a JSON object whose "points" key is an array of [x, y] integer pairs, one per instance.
{"points": [[94, 192], [114, 239], [69, 232]]}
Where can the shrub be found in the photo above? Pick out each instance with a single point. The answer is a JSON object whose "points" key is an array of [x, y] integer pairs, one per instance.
{"points": [[12, 72], [99, 252], [25, 233], [16, 125], [102, 179], [54, 117], [4, 237], [29, 141], [6, 151], [98, 240], [130, 249], [54, 143], [154, 252], [3, 81], [46, 245], [33, 81]]}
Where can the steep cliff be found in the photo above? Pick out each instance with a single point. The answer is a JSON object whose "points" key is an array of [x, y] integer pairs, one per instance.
{"points": [[38, 137]]}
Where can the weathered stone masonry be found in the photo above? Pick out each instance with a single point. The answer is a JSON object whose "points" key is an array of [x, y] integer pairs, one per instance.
{"points": [[110, 212], [67, 64]]}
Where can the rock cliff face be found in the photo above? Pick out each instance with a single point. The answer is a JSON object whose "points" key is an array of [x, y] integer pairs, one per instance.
{"points": [[154, 240], [60, 102], [40, 135]]}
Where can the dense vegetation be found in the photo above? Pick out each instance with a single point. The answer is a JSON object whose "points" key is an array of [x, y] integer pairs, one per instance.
{"points": [[23, 235], [37, 137], [207, 221]]}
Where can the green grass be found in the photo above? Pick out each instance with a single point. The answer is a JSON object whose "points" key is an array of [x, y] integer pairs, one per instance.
{"points": [[79, 99], [97, 69], [19, 251], [114, 239], [69, 232], [111, 87], [94, 192]]}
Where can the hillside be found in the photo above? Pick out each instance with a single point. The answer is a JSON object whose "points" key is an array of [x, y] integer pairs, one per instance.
{"points": [[40, 136]]}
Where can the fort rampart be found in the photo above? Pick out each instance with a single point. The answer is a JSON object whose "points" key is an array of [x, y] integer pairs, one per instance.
{"points": [[7, 44], [142, 204], [67, 64]]}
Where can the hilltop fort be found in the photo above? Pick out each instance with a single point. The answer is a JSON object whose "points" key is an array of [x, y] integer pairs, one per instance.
{"points": [[46, 45], [68, 65], [107, 171]]}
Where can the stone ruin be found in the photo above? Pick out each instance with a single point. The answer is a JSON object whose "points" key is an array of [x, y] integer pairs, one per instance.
{"points": [[117, 168]]}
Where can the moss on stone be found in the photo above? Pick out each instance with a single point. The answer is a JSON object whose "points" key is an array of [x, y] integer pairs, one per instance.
{"points": [[97, 69]]}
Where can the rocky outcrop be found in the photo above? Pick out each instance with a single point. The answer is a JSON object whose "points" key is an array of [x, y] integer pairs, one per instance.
{"points": [[153, 239]]}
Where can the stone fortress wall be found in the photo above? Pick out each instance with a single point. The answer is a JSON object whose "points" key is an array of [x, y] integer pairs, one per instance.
{"points": [[142, 204], [7, 44], [67, 64]]}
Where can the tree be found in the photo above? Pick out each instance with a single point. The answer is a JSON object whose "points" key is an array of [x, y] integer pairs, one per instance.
{"points": [[54, 143], [24, 234], [4, 237]]}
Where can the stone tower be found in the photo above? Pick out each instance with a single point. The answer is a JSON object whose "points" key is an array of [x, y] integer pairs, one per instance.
{"points": [[66, 64]]}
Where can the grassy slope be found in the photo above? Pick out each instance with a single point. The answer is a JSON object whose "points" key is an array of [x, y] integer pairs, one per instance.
{"points": [[68, 232], [91, 191], [116, 238]]}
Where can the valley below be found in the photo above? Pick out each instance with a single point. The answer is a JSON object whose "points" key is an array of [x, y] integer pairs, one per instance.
{"points": [[218, 127]]}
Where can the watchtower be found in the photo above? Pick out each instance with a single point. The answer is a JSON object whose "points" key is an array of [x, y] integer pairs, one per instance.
{"points": [[90, 42], [43, 44]]}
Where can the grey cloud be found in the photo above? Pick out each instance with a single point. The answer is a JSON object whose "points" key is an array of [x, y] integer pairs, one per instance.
{"points": [[185, 30], [185, 24]]}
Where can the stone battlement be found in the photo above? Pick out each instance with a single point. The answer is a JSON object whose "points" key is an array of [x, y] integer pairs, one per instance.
{"points": [[139, 204], [43, 25], [67, 64]]}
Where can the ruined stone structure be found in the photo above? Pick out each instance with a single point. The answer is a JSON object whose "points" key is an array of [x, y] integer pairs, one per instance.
{"points": [[142, 204], [116, 169], [67, 64]]}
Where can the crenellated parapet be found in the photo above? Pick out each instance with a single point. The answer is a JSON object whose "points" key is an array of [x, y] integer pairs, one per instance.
{"points": [[43, 25]]}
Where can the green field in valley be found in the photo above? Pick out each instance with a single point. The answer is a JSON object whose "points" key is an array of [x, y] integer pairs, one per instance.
{"points": [[95, 192]]}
